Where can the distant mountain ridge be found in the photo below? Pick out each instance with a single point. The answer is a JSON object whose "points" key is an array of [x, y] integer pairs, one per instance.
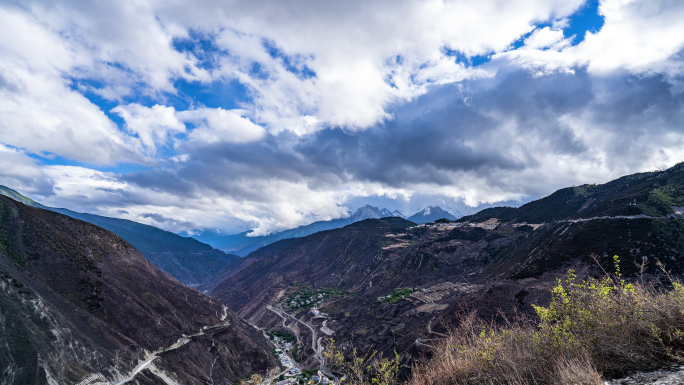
{"points": [[242, 244], [372, 212], [431, 214], [189, 260]]}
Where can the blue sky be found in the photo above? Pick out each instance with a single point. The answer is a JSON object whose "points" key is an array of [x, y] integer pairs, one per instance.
{"points": [[268, 115]]}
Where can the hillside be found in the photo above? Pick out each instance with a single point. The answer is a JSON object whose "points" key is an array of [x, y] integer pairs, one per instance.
{"points": [[190, 261], [392, 285], [654, 194], [384, 283], [81, 304]]}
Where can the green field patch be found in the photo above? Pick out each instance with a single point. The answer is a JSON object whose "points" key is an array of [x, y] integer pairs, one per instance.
{"points": [[398, 294], [285, 336], [305, 297]]}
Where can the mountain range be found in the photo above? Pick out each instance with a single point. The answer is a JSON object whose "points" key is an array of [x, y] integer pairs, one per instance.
{"points": [[392, 285], [81, 305], [243, 244], [195, 260], [190, 261]]}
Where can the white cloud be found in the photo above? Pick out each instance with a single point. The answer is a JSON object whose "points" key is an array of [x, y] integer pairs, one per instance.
{"points": [[127, 46], [288, 204], [216, 125], [38, 110], [544, 38], [153, 125], [639, 36], [21, 172], [123, 44], [358, 49], [81, 186]]}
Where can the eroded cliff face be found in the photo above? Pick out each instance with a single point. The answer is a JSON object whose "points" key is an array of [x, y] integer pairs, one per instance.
{"points": [[78, 305]]}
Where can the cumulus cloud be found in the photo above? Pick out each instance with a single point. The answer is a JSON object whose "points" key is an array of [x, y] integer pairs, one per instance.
{"points": [[366, 55], [160, 219], [153, 126], [544, 38], [123, 45], [514, 137], [215, 125], [39, 112], [641, 37]]}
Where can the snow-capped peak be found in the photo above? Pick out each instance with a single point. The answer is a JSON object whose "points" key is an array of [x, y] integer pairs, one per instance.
{"points": [[369, 211], [430, 214]]}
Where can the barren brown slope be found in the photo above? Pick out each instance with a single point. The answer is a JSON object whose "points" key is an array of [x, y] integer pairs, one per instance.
{"points": [[78, 301], [354, 269]]}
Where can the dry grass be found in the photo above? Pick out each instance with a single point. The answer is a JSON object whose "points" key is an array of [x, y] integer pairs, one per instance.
{"points": [[592, 329], [577, 371]]}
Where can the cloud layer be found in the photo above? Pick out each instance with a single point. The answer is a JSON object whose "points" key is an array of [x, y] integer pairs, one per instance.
{"points": [[269, 115]]}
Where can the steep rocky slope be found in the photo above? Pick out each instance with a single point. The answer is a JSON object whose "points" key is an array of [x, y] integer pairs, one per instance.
{"points": [[190, 261], [390, 285], [78, 304]]}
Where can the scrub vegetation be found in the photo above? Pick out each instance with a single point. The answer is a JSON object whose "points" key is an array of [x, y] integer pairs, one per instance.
{"points": [[593, 329]]}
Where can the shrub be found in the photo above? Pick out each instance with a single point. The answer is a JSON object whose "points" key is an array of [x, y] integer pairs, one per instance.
{"points": [[372, 368], [592, 329]]}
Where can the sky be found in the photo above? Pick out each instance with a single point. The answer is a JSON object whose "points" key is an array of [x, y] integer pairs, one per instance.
{"points": [[266, 115]]}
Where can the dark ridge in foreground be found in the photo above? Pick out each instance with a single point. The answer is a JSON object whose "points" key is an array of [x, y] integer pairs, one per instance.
{"points": [[79, 302]]}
